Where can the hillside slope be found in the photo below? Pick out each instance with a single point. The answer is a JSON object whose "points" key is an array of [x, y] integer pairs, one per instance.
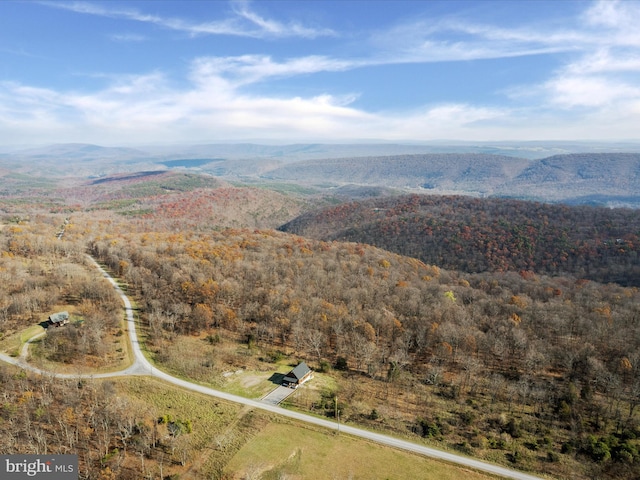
{"points": [[583, 177], [476, 235], [466, 172], [598, 178], [487, 364]]}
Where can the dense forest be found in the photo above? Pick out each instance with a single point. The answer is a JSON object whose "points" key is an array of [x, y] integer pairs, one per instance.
{"points": [[507, 363], [477, 235], [544, 371]]}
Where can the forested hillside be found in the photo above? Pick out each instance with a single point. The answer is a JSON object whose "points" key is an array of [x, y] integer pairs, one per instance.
{"points": [[507, 364], [590, 178], [478, 173], [477, 235], [543, 373], [168, 199]]}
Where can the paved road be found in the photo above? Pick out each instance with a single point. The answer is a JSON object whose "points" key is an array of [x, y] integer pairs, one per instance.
{"points": [[141, 366]]}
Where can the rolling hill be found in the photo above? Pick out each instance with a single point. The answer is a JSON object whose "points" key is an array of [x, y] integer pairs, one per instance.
{"points": [[484, 170], [479, 173], [583, 178], [477, 235], [598, 178]]}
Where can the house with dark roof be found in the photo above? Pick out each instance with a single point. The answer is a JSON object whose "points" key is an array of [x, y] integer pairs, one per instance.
{"points": [[297, 376], [58, 319]]}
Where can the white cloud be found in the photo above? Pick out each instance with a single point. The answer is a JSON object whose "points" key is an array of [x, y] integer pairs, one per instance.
{"points": [[278, 29], [245, 22], [594, 94], [617, 20], [604, 77], [128, 112], [605, 60], [422, 40], [589, 91]]}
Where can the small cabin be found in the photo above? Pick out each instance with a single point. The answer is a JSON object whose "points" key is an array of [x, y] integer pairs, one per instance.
{"points": [[297, 376], [58, 319]]}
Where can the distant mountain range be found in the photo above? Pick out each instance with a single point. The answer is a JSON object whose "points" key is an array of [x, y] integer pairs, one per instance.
{"points": [[534, 171], [611, 179]]}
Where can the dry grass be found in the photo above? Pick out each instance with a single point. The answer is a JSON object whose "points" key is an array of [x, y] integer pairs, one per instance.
{"points": [[293, 451], [12, 344], [220, 428]]}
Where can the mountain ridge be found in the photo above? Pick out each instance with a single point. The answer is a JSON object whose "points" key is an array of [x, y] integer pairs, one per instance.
{"points": [[609, 179], [599, 178]]}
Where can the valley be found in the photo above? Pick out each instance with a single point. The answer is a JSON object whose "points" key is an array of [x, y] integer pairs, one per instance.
{"points": [[499, 329], [570, 173]]}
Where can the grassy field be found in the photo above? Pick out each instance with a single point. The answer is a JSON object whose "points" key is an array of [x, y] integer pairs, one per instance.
{"points": [[219, 429], [234, 442], [13, 344], [294, 451]]}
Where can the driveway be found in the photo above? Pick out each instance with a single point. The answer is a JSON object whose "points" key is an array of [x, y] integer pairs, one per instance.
{"points": [[277, 395]]}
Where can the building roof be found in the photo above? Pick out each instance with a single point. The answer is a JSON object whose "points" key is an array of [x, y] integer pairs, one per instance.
{"points": [[59, 317], [300, 371]]}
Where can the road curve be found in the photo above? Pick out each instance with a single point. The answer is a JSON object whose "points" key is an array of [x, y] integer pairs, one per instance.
{"points": [[142, 366]]}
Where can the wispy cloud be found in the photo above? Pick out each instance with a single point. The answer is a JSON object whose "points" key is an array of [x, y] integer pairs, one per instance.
{"points": [[244, 22], [618, 19], [597, 81], [450, 40], [593, 93], [19, 52], [589, 91], [276, 28], [138, 109], [248, 69], [127, 37]]}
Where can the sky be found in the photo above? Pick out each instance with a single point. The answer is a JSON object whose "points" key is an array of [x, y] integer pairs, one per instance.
{"points": [[165, 72]]}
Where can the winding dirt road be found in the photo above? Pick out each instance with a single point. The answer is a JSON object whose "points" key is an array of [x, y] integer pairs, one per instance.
{"points": [[141, 366]]}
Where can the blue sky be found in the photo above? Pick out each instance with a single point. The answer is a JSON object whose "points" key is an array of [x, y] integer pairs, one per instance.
{"points": [[160, 72]]}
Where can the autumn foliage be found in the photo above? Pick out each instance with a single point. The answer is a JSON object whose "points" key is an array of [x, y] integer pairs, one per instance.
{"points": [[478, 235]]}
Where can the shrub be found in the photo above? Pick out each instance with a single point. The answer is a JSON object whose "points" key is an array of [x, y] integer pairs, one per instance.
{"points": [[467, 417], [513, 428], [625, 452], [324, 366], [553, 457], [513, 457], [497, 443], [597, 450], [341, 364], [427, 429]]}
